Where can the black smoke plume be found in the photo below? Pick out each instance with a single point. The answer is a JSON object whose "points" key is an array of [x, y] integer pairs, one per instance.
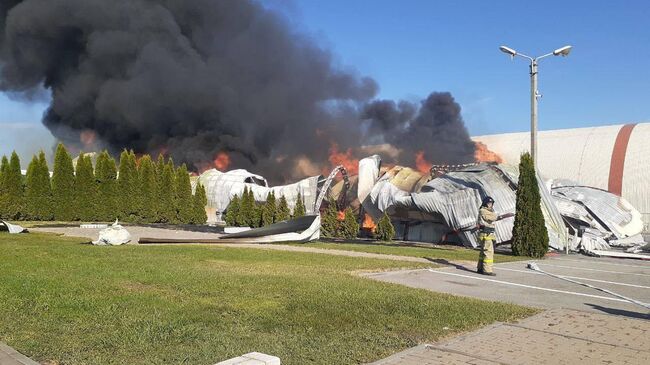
{"points": [[193, 78]]}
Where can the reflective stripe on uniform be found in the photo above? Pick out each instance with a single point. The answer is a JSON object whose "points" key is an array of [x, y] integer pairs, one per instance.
{"points": [[490, 261]]}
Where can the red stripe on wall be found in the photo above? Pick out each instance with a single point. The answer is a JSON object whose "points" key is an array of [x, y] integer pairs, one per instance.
{"points": [[617, 165]]}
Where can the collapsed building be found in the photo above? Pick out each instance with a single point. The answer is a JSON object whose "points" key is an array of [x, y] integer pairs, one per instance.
{"points": [[442, 206]]}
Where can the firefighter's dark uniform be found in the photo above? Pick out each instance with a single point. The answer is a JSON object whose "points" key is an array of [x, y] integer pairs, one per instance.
{"points": [[486, 219]]}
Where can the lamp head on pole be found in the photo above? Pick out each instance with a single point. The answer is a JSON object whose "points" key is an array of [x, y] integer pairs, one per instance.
{"points": [[564, 51], [509, 51]]}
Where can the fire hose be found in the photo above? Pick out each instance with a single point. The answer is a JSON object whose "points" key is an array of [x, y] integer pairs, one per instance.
{"points": [[533, 266]]}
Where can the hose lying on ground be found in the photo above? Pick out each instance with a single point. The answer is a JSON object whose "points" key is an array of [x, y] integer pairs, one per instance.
{"points": [[533, 266]]}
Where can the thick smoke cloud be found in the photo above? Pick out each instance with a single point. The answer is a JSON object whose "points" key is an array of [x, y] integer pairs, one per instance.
{"points": [[193, 78], [437, 128]]}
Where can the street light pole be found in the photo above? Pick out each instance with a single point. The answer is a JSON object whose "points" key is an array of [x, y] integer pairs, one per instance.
{"points": [[534, 93], [533, 111]]}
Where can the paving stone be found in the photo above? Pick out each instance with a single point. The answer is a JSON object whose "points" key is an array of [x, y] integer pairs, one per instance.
{"points": [[613, 330]]}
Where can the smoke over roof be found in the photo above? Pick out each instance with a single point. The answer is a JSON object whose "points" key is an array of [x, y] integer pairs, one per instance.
{"points": [[196, 78]]}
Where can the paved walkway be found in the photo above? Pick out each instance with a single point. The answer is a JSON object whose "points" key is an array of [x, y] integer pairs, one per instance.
{"points": [[9, 356], [516, 284], [557, 336]]}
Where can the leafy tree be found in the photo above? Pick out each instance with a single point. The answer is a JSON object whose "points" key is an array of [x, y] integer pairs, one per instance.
{"points": [[282, 213], [299, 209], [107, 194], [232, 211], [268, 212], [529, 234], [330, 222], [167, 206], [85, 189], [199, 200], [63, 185], [12, 199], [148, 189], [385, 230], [349, 227], [184, 205], [127, 182]]}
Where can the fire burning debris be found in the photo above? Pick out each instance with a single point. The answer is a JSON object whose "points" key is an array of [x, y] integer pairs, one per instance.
{"points": [[368, 223], [483, 154], [346, 159], [421, 164], [182, 78], [221, 161]]}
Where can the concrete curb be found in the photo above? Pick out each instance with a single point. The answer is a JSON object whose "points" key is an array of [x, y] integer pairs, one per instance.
{"points": [[9, 356]]}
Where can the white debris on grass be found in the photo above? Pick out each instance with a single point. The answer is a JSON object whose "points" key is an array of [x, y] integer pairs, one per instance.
{"points": [[114, 235], [12, 228]]}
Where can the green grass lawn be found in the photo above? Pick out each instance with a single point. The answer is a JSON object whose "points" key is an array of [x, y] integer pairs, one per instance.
{"points": [[68, 303], [444, 253]]}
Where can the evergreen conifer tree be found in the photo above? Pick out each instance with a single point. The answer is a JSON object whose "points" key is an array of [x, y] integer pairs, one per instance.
{"points": [[12, 199], [256, 216], [107, 195], [127, 182], [183, 195], [63, 185], [268, 213], [299, 209], [3, 169], [329, 222], [529, 234], [199, 200], [159, 169], [85, 189], [282, 213], [167, 198], [232, 212], [31, 190], [148, 190], [43, 180], [38, 191], [244, 216], [385, 230], [349, 227]]}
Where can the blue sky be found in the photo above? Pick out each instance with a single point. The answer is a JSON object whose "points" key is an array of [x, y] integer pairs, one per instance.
{"points": [[413, 47]]}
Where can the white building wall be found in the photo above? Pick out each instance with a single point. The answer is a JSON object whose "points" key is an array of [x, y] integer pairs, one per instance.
{"points": [[584, 155], [636, 175]]}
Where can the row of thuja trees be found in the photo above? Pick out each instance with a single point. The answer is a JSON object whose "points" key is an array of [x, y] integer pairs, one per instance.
{"points": [[347, 226], [244, 211], [141, 190]]}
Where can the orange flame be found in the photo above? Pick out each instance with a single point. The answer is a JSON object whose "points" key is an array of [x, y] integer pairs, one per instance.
{"points": [[221, 161], [340, 216], [421, 163], [483, 154], [346, 159], [162, 150], [88, 138], [368, 223]]}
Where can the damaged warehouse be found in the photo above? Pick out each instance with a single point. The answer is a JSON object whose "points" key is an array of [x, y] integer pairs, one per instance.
{"points": [[441, 207]]}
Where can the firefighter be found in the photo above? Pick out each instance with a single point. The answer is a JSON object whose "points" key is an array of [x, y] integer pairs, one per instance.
{"points": [[486, 219]]}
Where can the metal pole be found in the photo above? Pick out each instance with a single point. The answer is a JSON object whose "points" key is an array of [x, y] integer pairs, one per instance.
{"points": [[533, 111]]}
